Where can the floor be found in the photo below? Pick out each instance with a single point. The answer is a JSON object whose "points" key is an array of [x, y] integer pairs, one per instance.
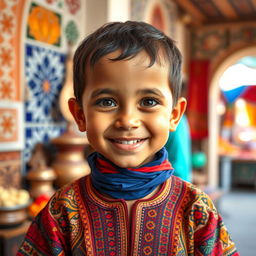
{"points": [[238, 210]]}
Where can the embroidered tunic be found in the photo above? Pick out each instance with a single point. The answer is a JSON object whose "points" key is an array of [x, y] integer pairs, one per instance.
{"points": [[178, 220]]}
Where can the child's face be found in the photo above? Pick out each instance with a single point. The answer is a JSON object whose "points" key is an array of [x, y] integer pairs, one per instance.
{"points": [[127, 109]]}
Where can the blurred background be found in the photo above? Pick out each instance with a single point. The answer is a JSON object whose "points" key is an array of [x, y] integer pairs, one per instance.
{"points": [[40, 148]]}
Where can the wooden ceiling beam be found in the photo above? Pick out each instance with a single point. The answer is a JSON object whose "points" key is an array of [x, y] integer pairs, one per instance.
{"points": [[190, 9], [226, 9]]}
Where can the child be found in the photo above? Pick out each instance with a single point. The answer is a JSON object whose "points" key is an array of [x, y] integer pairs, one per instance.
{"points": [[127, 79]]}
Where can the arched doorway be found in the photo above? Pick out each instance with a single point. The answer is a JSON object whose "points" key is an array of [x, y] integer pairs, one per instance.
{"points": [[214, 94]]}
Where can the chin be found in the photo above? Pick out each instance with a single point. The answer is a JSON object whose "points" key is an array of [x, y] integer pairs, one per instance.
{"points": [[130, 164], [127, 165]]}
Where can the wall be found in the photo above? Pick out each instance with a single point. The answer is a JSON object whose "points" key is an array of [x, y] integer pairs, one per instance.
{"points": [[212, 46], [98, 12], [164, 15], [33, 47]]}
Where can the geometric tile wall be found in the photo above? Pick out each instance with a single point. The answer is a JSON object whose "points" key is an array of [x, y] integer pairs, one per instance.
{"points": [[34, 40], [44, 73], [45, 51], [45, 70]]}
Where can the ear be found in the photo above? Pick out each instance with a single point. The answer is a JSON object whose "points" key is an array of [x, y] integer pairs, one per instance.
{"points": [[177, 113], [78, 114]]}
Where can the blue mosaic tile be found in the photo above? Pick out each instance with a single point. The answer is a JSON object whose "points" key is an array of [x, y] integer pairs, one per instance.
{"points": [[45, 73]]}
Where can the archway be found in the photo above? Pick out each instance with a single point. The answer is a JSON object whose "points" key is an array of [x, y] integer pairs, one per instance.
{"points": [[214, 94]]}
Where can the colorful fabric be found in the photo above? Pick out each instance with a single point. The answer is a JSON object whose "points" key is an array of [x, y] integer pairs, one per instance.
{"points": [[246, 92], [178, 220], [197, 108], [132, 183], [179, 150]]}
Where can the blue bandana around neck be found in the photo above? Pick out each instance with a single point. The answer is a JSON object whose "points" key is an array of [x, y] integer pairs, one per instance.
{"points": [[131, 183]]}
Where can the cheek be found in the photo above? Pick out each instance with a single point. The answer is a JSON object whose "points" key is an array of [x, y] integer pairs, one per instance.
{"points": [[161, 125], [96, 127], [93, 125]]}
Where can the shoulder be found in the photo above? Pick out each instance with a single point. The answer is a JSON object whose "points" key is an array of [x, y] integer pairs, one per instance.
{"points": [[198, 211], [193, 198], [66, 197], [201, 223]]}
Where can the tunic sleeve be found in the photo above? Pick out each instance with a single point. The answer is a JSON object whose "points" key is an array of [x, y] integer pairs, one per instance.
{"points": [[44, 236], [210, 234]]}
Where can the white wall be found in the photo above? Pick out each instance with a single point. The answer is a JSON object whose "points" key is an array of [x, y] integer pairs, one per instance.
{"points": [[98, 12], [95, 14], [118, 10]]}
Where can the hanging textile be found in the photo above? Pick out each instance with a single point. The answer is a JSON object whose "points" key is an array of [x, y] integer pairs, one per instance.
{"points": [[198, 87]]}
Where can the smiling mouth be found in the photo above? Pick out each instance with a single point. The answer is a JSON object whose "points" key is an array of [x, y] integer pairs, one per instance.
{"points": [[127, 144]]}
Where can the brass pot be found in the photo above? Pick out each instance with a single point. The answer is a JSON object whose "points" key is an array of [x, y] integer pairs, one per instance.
{"points": [[41, 181], [11, 216], [70, 163]]}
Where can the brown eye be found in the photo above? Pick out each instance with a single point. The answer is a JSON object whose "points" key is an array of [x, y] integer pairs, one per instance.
{"points": [[149, 102], [106, 102]]}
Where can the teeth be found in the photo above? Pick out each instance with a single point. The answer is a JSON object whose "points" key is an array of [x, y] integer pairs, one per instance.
{"points": [[128, 142]]}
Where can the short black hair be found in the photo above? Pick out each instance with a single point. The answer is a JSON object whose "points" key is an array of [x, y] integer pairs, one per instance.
{"points": [[131, 37]]}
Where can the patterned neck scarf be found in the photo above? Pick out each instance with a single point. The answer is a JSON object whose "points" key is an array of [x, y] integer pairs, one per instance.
{"points": [[131, 183]]}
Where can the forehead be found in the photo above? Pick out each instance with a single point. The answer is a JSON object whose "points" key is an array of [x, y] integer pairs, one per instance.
{"points": [[137, 67]]}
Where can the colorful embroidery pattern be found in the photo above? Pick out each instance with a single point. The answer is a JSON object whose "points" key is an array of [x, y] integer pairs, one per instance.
{"points": [[78, 216], [44, 25]]}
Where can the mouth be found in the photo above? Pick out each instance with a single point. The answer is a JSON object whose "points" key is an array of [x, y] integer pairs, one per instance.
{"points": [[127, 144]]}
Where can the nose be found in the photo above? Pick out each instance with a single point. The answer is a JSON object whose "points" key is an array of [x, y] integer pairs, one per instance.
{"points": [[127, 120]]}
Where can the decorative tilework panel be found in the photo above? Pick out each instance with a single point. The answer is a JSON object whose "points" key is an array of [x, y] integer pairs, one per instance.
{"points": [[40, 134], [208, 44], [44, 25], [11, 125], [10, 15], [58, 4], [73, 5], [44, 79], [71, 32], [243, 34], [8, 156], [8, 131], [10, 169]]}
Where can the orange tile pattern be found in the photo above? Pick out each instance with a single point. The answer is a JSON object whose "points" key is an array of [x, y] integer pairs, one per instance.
{"points": [[8, 125], [10, 22], [44, 25]]}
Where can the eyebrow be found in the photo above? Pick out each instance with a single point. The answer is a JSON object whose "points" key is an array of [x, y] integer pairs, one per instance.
{"points": [[151, 91], [154, 91], [98, 92]]}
